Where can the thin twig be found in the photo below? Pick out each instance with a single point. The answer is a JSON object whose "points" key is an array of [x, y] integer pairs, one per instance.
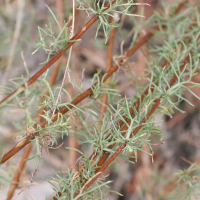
{"points": [[106, 154], [29, 146], [77, 36], [131, 110], [55, 57], [63, 110], [68, 61], [18, 172], [108, 66], [77, 100], [150, 113]]}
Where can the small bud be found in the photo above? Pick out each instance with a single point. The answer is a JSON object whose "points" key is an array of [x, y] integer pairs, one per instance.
{"points": [[130, 149]]}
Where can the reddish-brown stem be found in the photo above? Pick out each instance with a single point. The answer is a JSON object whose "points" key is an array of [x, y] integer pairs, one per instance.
{"points": [[77, 36], [108, 65], [59, 54], [19, 171], [121, 123], [136, 106], [103, 168], [106, 154], [150, 113], [20, 145], [29, 146], [55, 57], [82, 96], [151, 33], [63, 110], [27, 140], [118, 151]]}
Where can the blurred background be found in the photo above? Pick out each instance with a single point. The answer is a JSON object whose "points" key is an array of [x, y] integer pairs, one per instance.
{"points": [[19, 21]]}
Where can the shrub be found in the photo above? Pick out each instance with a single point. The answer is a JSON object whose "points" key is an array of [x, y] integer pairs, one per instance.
{"points": [[113, 125]]}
